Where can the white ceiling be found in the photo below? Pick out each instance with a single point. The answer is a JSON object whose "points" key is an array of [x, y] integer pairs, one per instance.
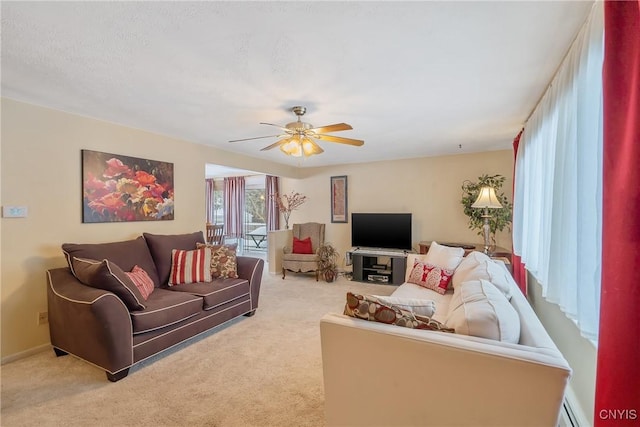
{"points": [[413, 78]]}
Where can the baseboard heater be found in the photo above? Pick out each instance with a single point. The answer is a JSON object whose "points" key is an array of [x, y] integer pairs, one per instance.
{"points": [[567, 416]]}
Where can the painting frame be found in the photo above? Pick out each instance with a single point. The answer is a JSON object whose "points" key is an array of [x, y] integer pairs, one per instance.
{"points": [[339, 199], [121, 188]]}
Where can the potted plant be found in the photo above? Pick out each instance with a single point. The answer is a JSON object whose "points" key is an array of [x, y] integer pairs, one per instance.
{"points": [[328, 262], [500, 218]]}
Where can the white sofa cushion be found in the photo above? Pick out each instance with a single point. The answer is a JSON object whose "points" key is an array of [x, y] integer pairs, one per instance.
{"points": [[467, 264], [444, 256], [478, 266], [417, 306], [479, 309], [411, 290]]}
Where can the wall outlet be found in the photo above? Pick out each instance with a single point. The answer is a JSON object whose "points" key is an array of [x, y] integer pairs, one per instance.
{"points": [[43, 317]]}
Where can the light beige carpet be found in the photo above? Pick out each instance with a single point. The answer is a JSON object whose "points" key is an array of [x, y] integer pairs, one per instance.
{"points": [[260, 371]]}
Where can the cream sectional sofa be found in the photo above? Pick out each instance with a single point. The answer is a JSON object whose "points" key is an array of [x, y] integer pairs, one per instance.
{"points": [[376, 374]]}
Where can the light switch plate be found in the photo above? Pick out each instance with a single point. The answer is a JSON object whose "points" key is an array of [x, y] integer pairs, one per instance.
{"points": [[14, 211]]}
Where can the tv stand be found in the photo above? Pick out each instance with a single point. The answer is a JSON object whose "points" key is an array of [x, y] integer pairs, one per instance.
{"points": [[373, 265]]}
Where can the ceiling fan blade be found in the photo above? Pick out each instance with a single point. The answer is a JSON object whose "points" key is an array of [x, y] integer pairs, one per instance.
{"points": [[332, 128], [257, 137], [278, 126], [275, 144], [340, 140]]}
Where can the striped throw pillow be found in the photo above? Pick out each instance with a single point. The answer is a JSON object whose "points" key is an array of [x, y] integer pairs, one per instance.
{"points": [[190, 266], [141, 279]]}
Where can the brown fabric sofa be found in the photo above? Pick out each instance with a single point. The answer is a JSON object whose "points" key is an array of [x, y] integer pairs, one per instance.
{"points": [[96, 325]]}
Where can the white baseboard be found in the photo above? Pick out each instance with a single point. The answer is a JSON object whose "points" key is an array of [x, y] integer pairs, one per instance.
{"points": [[575, 416], [26, 353]]}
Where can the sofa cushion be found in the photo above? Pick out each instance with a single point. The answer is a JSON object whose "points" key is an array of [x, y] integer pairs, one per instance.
{"points": [[421, 307], [430, 276], [444, 256], [107, 276], [190, 266], [411, 290], [479, 309], [216, 292], [165, 308], [368, 307], [141, 279], [224, 262], [471, 261], [126, 254], [313, 258], [161, 245], [484, 269]]}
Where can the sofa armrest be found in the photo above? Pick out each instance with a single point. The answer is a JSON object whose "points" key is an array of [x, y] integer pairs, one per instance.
{"points": [[287, 250], [250, 268], [89, 323], [377, 374]]}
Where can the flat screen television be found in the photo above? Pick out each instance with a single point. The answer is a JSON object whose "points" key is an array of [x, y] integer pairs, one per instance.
{"points": [[381, 230]]}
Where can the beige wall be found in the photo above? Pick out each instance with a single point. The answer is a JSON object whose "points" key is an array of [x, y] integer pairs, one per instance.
{"points": [[579, 352], [428, 187], [41, 170]]}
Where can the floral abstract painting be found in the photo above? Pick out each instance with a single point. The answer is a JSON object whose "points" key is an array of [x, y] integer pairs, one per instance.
{"points": [[119, 188]]}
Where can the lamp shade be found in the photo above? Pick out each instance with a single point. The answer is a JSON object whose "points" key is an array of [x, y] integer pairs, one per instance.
{"points": [[487, 199]]}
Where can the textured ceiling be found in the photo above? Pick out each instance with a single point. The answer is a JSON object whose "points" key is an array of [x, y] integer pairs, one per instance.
{"points": [[412, 78]]}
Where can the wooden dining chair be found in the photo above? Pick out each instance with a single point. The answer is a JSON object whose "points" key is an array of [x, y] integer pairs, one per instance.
{"points": [[215, 234]]}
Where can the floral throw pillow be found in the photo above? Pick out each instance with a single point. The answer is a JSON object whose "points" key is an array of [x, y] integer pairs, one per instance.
{"points": [[430, 276], [368, 307], [224, 263]]}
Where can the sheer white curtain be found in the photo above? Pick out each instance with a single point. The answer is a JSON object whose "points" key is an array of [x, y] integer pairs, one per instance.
{"points": [[558, 183]]}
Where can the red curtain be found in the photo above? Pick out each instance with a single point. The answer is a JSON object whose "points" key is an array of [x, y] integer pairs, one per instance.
{"points": [[519, 273], [618, 370]]}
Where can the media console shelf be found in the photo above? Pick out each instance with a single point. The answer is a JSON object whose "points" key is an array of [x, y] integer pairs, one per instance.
{"points": [[379, 265]]}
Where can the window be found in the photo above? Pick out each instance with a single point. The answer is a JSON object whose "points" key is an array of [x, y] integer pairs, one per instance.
{"points": [[558, 183], [254, 206], [254, 214]]}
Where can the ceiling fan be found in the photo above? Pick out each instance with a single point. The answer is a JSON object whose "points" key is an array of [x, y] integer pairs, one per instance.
{"points": [[298, 137]]}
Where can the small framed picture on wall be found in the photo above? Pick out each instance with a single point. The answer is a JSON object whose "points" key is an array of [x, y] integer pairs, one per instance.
{"points": [[339, 199]]}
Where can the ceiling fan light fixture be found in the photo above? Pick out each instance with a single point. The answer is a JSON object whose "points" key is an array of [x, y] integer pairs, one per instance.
{"points": [[299, 146], [307, 147], [292, 148], [299, 136]]}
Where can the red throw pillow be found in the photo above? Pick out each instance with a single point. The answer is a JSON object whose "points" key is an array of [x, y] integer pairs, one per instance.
{"points": [[430, 276], [141, 279], [302, 246], [190, 266]]}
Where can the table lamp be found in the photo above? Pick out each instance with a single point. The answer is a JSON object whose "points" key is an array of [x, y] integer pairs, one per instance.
{"points": [[486, 200]]}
